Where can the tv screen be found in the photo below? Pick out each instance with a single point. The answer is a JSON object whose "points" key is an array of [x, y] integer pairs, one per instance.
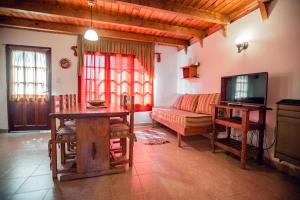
{"points": [[245, 89]]}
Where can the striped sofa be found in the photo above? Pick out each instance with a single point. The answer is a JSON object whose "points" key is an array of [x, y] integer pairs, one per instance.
{"points": [[189, 115]]}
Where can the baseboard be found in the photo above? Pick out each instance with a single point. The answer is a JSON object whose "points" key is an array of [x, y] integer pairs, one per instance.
{"points": [[3, 130], [284, 167], [143, 124]]}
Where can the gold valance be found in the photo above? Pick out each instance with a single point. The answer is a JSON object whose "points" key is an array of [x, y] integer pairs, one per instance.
{"points": [[143, 51]]}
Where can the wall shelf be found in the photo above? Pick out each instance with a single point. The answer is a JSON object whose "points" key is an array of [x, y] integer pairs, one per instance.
{"points": [[189, 71]]}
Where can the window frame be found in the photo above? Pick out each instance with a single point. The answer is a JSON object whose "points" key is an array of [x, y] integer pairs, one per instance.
{"points": [[107, 58], [47, 50]]}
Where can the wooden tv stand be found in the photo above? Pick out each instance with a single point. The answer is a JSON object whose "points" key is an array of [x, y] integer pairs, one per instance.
{"points": [[239, 148]]}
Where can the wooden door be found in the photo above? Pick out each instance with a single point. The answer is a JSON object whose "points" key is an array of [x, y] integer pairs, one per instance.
{"points": [[28, 115], [28, 109]]}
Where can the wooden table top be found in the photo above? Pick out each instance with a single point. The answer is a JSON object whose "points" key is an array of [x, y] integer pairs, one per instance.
{"points": [[81, 111]]}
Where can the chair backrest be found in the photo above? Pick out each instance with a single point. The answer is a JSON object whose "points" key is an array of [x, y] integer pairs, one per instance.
{"points": [[73, 100], [60, 103], [55, 103], [64, 102], [128, 103]]}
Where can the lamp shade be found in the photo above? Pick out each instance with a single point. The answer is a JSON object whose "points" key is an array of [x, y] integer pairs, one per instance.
{"points": [[91, 35]]}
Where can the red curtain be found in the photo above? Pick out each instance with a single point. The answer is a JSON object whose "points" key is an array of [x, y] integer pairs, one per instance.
{"points": [[107, 76]]}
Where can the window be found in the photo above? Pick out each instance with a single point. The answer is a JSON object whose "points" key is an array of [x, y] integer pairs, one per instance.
{"points": [[28, 73], [241, 87], [108, 76]]}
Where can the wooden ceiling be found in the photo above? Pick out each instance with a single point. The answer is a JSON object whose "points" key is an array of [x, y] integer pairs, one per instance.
{"points": [[174, 22]]}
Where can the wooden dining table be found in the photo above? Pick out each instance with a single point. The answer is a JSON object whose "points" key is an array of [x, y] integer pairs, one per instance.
{"points": [[92, 139]]}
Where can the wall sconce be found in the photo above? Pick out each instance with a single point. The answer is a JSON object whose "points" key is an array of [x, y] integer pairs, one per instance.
{"points": [[241, 44]]}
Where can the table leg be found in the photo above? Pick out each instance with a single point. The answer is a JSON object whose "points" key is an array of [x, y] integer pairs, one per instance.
{"points": [[214, 128], [244, 149], [262, 121], [53, 148], [245, 126], [213, 140], [228, 129], [92, 144]]}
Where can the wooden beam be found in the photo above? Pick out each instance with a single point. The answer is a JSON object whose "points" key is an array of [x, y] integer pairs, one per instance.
{"points": [[83, 14], [197, 39], [71, 29], [178, 9], [263, 9], [224, 30]]}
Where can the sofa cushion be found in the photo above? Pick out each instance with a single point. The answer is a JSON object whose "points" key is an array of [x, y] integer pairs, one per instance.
{"points": [[189, 102], [182, 118], [205, 101], [178, 101]]}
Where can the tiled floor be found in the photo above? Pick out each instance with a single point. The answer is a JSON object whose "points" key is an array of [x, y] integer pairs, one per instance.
{"points": [[160, 172]]}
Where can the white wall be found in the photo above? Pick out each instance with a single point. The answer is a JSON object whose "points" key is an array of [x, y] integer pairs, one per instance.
{"points": [[274, 47], [165, 80], [64, 81]]}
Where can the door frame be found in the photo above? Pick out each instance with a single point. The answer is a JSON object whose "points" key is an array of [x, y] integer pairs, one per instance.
{"points": [[49, 58]]}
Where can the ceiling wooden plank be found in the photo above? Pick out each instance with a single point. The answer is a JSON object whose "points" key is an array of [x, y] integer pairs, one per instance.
{"points": [[71, 29], [243, 11], [230, 7], [167, 6], [84, 14]]}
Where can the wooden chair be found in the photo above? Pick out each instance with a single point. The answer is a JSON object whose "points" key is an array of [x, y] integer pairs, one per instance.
{"points": [[122, 131], [60, 134], [71, 146], [71, 103], [118, 120]]}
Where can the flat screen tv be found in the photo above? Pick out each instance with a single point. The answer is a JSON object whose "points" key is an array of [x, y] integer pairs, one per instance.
{"points": [[249, 89]]}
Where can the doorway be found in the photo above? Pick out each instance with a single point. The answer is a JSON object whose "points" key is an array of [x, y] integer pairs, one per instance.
{"points": [[28, 87]]}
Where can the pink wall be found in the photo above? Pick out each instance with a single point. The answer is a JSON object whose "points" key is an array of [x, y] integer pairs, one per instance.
{"points": [[274, 46]]}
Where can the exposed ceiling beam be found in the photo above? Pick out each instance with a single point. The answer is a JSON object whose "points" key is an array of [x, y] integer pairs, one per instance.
{"points": [[263, 9], [50, 9], [224, 30], [195, 39], [178, 9], [71, 29]]}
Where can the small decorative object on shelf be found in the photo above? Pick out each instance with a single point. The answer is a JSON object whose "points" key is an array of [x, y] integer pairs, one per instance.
{"points": [[190, 71], [65, 63]]}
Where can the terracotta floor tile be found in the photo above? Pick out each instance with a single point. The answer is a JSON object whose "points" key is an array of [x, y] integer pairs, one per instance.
{"points": [[10, 186], [36, 183], [160, 194], [43, 169], [53, 195], [130, 196], [146, 168], [70, 189], [20, 172], [36, 195], [122, 184], [159, 172], [150, 182]]}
